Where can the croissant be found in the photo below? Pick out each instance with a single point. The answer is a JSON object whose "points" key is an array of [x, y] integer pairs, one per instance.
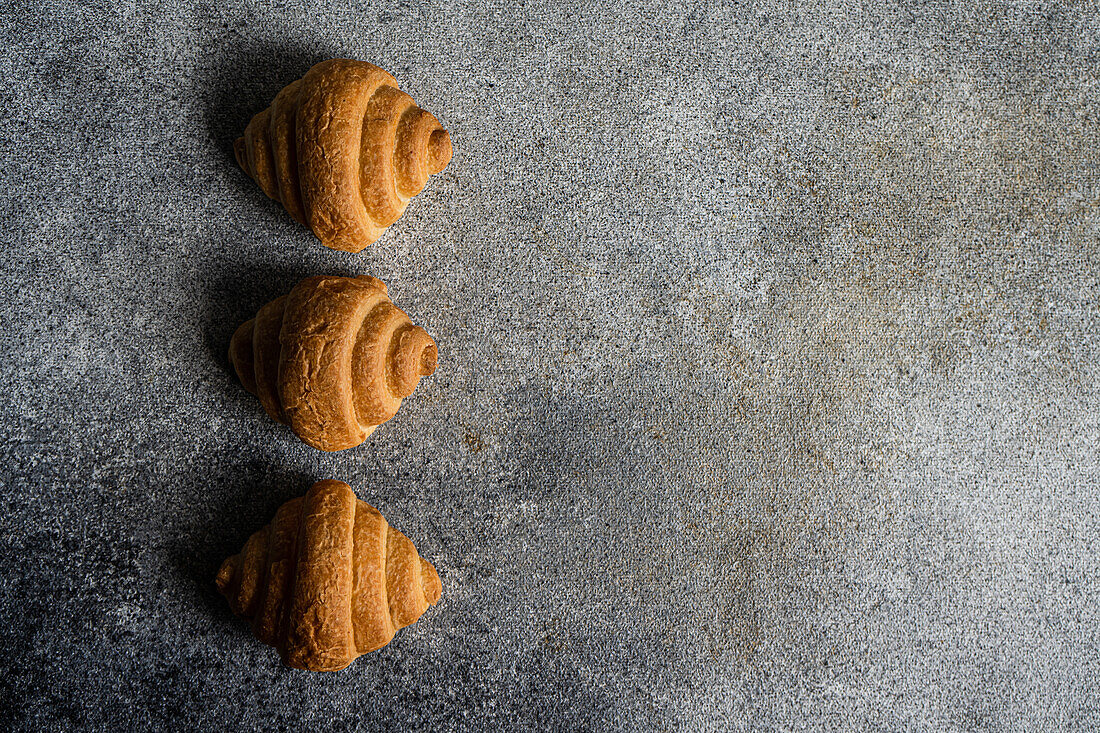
{"points": [[328, 580], [333, 359], [343, 149]]}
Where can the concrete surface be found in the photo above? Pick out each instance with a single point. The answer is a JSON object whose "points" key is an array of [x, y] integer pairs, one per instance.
{"points": [[768, 394]]}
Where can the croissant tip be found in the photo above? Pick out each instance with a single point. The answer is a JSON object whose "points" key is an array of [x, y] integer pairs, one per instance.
{"points": [[433, 586], [239, 153], [225, 574], [429, 360], [240, 354], [439, 151]]}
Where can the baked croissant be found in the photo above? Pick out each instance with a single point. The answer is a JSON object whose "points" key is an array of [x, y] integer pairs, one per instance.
{"points": [[328, 580], [343, 149], [333, 359]]}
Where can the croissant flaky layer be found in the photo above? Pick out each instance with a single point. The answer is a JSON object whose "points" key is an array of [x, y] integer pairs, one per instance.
{"points": [[344, 150], [328, 580], [333, 359]]}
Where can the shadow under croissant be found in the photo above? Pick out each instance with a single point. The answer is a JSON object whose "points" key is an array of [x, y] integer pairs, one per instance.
{"points": [[247, 76], [248, 496]]}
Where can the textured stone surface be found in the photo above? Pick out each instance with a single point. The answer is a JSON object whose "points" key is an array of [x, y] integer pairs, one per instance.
{"points": [[768, 393]]}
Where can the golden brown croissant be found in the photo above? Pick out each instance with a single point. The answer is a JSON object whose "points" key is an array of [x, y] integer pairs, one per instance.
{"points": [[343, 149], [328, 580], [333, 359]]}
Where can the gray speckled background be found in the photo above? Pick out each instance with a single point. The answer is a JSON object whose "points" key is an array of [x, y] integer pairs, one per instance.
{"points": [[768, 395]]}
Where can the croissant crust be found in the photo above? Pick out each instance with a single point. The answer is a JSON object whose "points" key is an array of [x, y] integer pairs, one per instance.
{"points": [[328, 580], [344, 150], [333, 359]]}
